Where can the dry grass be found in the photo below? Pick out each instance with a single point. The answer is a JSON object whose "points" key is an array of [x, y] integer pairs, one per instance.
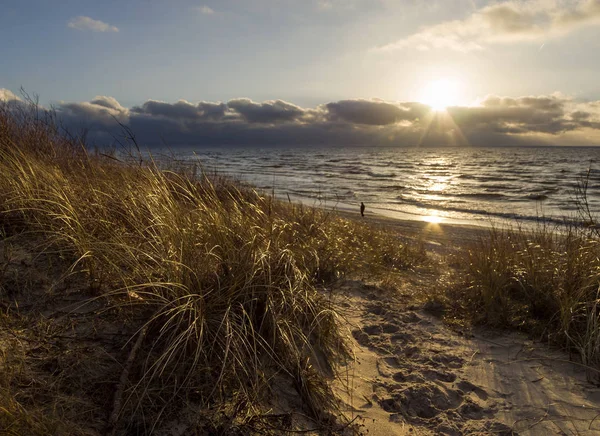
{"points": [[217, 283], [544, 281]]}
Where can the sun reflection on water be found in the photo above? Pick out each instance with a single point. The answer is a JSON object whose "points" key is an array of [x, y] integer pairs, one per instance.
{"points": [[438, 186], [433, 219]]}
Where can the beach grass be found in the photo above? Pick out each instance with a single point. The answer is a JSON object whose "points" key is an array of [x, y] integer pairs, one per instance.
{"points": [[542, 280], [137, 294], [216, 290]]}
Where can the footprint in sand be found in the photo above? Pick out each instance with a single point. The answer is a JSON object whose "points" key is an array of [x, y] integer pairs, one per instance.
{"points": [[467, 387]]}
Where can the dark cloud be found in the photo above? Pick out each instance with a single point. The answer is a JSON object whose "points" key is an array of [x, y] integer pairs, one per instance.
{"points": [[273, 111], [516, 116], [495, 121], [212, 111], [100, 113], [580, 115], [374, 112], [179, 110], [182, 110], [586, 119]]}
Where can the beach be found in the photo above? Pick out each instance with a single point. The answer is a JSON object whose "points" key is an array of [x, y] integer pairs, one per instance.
{"points": [[443, 237], [143, 300], [316, 217], [415, 375], [409, 372], [456, 184]]}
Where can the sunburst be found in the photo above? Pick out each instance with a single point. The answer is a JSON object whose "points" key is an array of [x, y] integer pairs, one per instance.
{"points": [[440, 94]]}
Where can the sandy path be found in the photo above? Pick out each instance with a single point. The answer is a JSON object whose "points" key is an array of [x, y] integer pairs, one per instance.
{"points": [[535, 388], [414, 376]]}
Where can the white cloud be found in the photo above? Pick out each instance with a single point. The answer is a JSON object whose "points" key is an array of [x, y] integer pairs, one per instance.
{"points": [[7, 95], [205, 10], [87, 23], [341, 5], [324, 5], [504, 22]]}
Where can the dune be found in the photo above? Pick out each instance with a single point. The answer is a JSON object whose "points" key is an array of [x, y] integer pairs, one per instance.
{"points": [[414, 375]]}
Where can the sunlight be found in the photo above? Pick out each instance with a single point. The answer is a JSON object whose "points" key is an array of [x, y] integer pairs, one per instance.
{"points": [[440, 94], [433, 219], [440, 128], [438, 187]]}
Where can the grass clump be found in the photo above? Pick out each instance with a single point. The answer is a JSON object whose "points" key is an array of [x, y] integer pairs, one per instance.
{"points": [[543, 280], [215, 283]]}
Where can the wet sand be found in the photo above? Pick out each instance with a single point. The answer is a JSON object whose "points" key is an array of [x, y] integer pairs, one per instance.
{"points": [[437, 237]]}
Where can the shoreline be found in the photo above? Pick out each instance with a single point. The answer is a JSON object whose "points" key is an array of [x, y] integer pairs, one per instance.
{"points": [[386, 216], [412, 372], [441, 238]]}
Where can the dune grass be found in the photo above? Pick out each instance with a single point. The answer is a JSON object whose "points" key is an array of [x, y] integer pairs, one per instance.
{"points": [[543, 280], [218, 285]]}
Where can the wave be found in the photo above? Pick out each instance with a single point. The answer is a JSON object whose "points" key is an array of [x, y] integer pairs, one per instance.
{"points": [[497, 182], [481, 212], [502, 187], [467, 195], [482, 195], [482, 178], [393, 187], [536, 197], [381, 175]]}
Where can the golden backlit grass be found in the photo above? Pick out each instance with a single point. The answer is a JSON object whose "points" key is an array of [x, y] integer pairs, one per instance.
{"points": [[217, 282], [543, 280]]}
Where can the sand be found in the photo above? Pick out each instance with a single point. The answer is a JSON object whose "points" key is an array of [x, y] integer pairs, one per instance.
{"points": [[436, 237], [413, 375]]}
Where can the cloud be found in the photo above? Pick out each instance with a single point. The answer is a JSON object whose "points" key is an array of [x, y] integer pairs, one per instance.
{"points": [[99, 115], [7, 95], [524, 115], [496, 120], [107, 102], [273, 111], [374, 112], [505, 22], [346, 5], [324, 5], [10, 101], [87, 23], [183, 110], [205, 10]]}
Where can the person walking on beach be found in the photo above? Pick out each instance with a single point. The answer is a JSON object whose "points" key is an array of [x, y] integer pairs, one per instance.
{"points": [[362, 209]]}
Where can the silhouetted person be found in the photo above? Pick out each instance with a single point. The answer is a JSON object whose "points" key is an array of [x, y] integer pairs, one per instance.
{"points": [[362, 209]]}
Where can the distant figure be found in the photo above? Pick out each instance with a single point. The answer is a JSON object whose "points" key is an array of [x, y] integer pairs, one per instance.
{"points": [[362, 209]]}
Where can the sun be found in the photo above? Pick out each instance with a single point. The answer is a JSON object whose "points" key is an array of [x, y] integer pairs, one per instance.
{"points": [[439, 94]]}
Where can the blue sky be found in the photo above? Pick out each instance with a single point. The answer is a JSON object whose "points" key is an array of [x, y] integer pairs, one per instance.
{"points": [[306, 52]]}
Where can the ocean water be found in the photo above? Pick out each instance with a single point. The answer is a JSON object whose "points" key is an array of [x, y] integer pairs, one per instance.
{"points": [[473, 185]]}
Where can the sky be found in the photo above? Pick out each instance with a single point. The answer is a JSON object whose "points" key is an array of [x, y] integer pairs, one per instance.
{"points": [[283, 72]]}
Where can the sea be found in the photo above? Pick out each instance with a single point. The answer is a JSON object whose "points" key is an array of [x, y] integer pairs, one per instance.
{"points": [[480, 186]]}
